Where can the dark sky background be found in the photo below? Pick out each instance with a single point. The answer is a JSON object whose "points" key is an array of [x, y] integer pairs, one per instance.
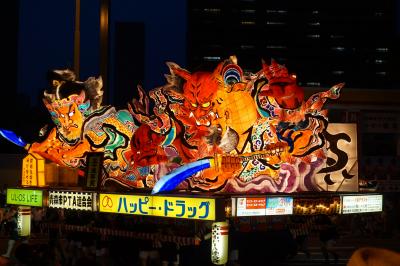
{"points": [[46, 31], [40, 37]]}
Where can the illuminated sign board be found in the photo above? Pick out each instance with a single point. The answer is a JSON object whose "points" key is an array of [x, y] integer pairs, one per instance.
{"points": [[219, 243], [128, 204], [24, 221], [190, 208], [85, 201], [25, 197], [251, 206], [362, 203], [33, 169], [279, 206], [264, 206], [175, 207]]}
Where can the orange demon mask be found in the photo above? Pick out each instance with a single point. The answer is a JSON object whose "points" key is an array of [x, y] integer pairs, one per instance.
{"points": [[282, 86], [199, 91], [67, 115]]}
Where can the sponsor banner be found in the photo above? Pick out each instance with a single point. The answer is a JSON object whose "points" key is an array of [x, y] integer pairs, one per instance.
{"points": [[362, 203], [264, 206], [85, 201], [174, 207], [251, 206], [279, 206], [25, 197]]}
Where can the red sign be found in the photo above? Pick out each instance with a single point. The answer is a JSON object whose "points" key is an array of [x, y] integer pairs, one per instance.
{"points": [[256, 203]]}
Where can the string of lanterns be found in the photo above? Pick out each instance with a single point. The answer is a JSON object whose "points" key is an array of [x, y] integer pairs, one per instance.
{"points": [[108, 232]]}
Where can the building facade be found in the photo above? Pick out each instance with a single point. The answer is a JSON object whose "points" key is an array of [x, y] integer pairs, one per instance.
{"points": [[322, 41]]}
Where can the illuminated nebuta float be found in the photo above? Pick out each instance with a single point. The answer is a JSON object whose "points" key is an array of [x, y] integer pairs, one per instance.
{"points": [[220, 131]]}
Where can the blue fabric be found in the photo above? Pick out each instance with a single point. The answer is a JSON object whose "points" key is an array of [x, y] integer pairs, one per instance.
{"points": [[170, 181], [10, 136]]}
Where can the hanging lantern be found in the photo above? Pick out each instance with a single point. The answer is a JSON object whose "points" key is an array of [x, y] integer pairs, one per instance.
{"points": [[33, 170], [24, 221], [219, 243]]}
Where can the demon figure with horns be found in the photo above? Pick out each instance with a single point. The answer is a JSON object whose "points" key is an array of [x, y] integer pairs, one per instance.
{"points": [[260, 131]]}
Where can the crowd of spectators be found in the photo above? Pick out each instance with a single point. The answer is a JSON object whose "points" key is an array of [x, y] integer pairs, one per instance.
{"points": [[278, 237], [51, 245]]}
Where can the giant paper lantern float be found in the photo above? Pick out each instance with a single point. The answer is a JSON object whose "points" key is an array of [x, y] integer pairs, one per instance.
{"points": [[220, 131]]}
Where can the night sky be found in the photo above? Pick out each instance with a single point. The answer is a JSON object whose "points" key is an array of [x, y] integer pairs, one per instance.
{"points": [[46, 31]]}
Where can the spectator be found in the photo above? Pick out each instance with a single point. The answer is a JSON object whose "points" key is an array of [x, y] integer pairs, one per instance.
{"points": [[3, 201], [12, 230], [393, 170], [357, 228], [3, 196], [328, 235], [3, 261], [54, 217], [368, 170], [374, 256], [302, 233], [169, 251], [380, 170], [37, 217], [24, 254]]}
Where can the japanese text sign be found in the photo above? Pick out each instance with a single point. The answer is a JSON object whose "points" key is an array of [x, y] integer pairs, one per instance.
{"points": [[175, 207], [189, 208], [362, 203], [251, 206], [33, 168], [27, 197], [127, 204], [72, 200]]}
